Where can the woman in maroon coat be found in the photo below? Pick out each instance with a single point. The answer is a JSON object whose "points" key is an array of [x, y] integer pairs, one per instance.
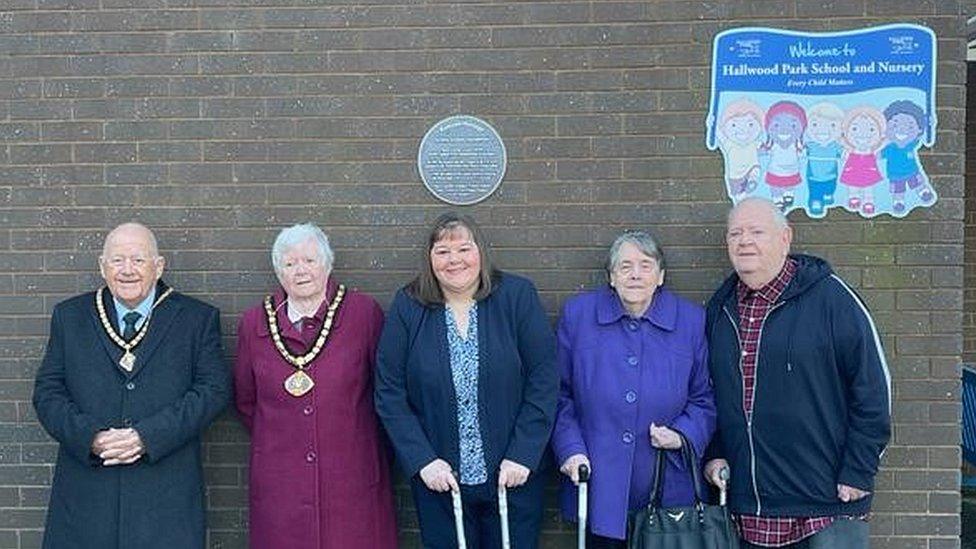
{"points": [[319, 475]]}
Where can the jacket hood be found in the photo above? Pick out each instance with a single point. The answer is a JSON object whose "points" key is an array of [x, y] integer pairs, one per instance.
{"points": [[809, 271]]}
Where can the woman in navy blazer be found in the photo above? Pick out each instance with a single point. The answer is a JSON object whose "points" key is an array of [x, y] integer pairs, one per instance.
{"points": [[467, 384]]}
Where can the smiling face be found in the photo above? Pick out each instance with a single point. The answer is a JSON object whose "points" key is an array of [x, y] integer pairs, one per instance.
{"points": [[785, 129], [742, 129], [303, 272], [635, 277], [130, 263], [902, 129], [456, 263], [864, 133], [823, 130], [757, 244]]}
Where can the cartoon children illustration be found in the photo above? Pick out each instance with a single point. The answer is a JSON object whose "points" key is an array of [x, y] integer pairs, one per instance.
{"points": [[785, 124], [823, 155], [739, 132], [905, 124], [863, 134]]}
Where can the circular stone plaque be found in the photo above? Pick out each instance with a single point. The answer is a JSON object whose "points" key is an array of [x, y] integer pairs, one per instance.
{"points": [[461, 160]]}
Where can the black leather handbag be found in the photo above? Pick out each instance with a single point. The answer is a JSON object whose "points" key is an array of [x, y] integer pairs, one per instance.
{"points": [[699, 526]]}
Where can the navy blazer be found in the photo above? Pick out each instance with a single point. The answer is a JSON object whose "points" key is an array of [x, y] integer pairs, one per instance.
{"points": [[517, 379], [178, 386]]}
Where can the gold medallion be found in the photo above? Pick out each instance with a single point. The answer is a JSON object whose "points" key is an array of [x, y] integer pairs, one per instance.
{"points": [[127, 361], [298, 384]]}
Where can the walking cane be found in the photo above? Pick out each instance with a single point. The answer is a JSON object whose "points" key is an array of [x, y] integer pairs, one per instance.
{"points": [[503, 515], [582, 505], [458, 517], [723, 474]]}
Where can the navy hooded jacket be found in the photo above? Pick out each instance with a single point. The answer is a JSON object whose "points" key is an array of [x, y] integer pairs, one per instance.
{"points": [[821, 411]]}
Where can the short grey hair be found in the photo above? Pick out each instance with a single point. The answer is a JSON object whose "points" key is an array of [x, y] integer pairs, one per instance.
{"points": [[644, 242], [297, 234], [779, 218]]}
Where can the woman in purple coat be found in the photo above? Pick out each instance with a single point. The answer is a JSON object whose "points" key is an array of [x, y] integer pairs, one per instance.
{"points": [[320, 475], [633, 360]]}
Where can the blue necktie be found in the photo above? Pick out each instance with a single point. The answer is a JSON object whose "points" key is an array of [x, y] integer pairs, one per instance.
{"points": [[130, 320]]}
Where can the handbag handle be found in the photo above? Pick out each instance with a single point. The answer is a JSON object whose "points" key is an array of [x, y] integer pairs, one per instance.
{"points": [[691, 462]]}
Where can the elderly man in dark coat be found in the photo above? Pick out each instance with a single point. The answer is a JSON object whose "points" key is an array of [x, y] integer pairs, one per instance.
{"points": [[802, 389], [132, 374]]}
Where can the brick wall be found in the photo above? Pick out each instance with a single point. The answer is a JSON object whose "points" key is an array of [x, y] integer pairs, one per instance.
{"points": [[969, 292], [969, 309], [216, 122]]}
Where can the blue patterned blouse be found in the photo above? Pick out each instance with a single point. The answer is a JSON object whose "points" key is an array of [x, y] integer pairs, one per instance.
{"points": [[464, 371]]}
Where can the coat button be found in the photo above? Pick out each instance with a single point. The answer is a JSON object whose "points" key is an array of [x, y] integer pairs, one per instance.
{"points": [[127, 422], [628, 437], [310, 457], [632, 360], [630, 397], [632, 325], [130, 386], [307, 410]]}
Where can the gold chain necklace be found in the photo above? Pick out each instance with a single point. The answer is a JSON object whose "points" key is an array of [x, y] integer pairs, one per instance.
{"points": [[299, 383], [128, 360]]}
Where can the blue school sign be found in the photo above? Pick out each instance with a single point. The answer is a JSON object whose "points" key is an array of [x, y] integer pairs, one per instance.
{"points": [[816, 121]]}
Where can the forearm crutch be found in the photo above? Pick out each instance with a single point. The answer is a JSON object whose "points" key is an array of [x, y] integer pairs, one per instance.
{"points": [[458, 518], [503, 515], [723, 474], [582, 505]]}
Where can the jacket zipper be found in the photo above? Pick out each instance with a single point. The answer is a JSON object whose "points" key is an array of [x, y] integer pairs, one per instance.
{"points": [[752, 447]]}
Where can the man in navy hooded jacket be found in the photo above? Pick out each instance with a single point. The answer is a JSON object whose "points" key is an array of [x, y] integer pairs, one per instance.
{"points": [[802, 390]]}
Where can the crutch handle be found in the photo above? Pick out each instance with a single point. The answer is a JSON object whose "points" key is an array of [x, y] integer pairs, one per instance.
{"points": [[723, 474], [583, 472]]}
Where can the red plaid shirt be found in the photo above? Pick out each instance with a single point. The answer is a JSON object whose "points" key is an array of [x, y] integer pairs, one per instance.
{"points": [[754, 305]]}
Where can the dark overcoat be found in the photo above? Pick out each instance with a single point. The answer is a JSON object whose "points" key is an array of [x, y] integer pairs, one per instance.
{"points": [[178, 386], [517, 380]]}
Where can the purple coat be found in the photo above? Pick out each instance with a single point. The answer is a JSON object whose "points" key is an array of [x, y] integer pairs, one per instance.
{"points": [[618, 376], [320, 474]]}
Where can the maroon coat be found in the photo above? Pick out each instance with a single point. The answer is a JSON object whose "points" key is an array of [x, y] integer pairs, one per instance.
{"points": [[319, 475]]}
